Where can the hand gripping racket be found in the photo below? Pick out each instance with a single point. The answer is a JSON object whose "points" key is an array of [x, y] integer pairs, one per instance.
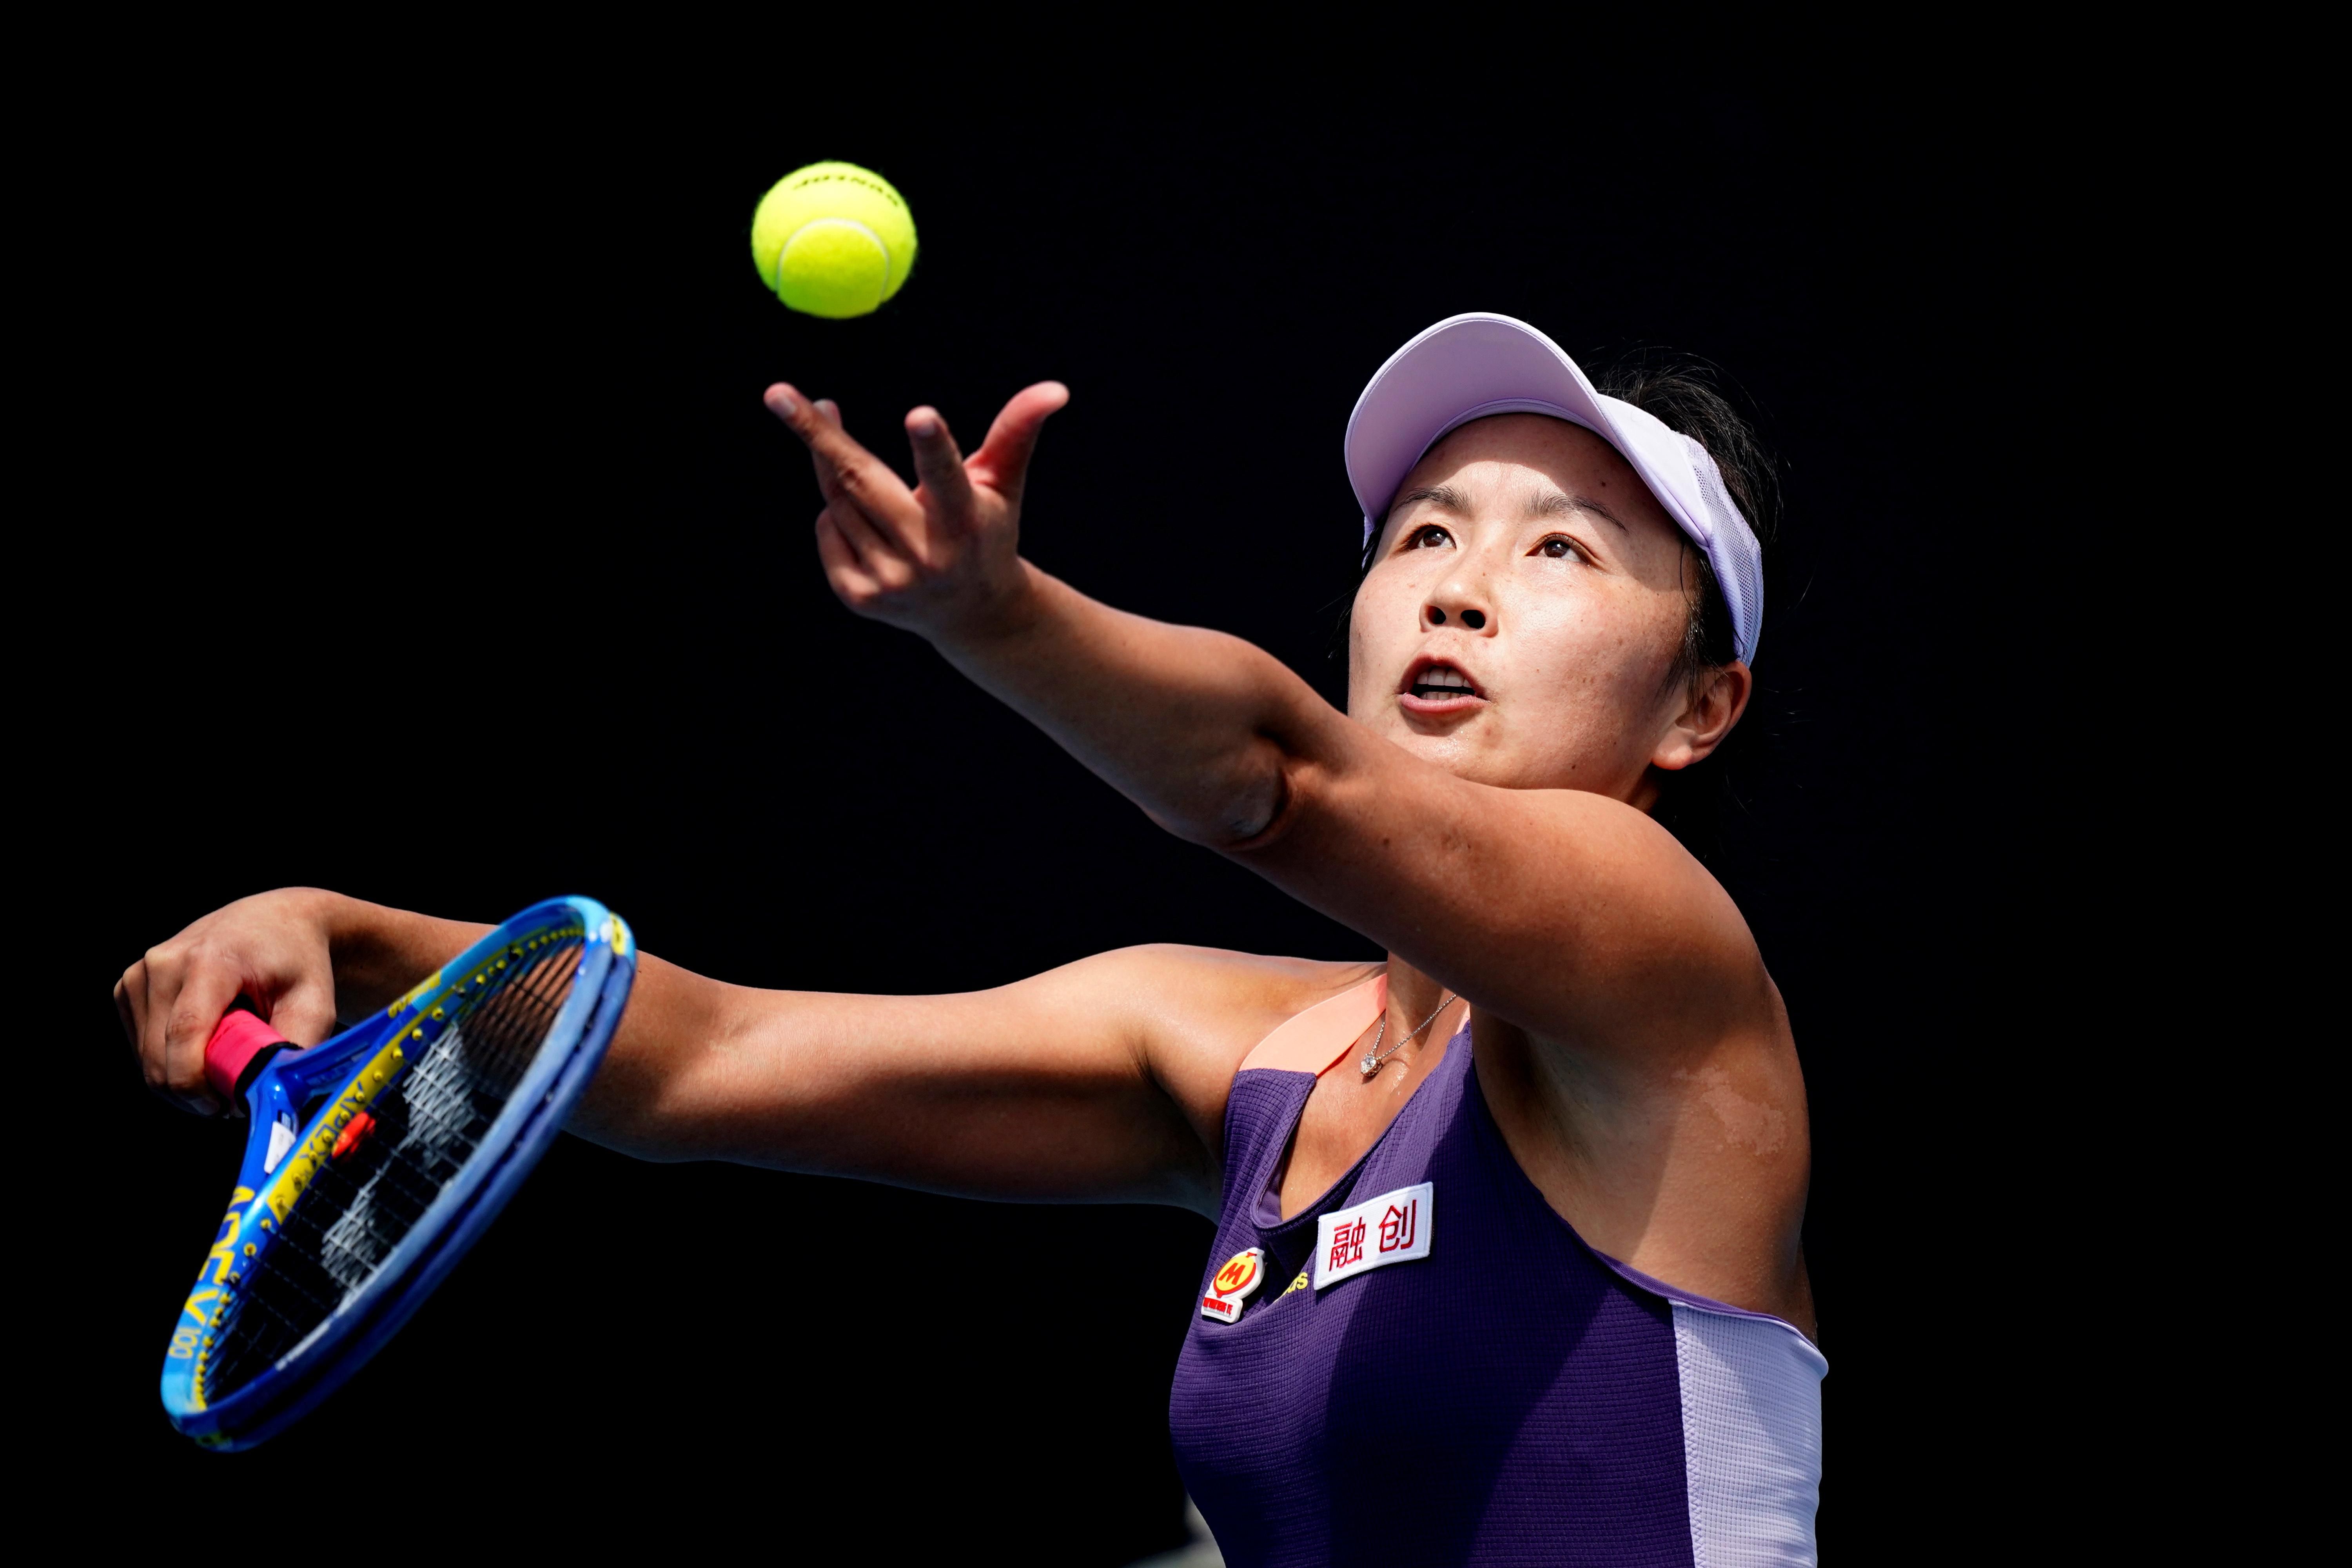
{"points": [[376, 1159]]}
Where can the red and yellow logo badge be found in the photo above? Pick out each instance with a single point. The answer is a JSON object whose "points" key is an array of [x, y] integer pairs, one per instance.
{"points": [[1231, 1285]]}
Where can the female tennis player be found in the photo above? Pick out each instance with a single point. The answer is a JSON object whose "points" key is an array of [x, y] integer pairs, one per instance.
{"points": [[1506, 1266]]}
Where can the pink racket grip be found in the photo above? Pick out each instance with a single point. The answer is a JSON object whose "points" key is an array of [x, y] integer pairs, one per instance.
{"points": [[240, 1042]]}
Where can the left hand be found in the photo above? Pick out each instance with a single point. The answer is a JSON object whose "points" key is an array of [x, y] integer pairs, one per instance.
{"points": [[944, 558]]}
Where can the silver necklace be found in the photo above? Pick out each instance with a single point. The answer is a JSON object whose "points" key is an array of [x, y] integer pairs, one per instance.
{"points": [[1375, 1057]]}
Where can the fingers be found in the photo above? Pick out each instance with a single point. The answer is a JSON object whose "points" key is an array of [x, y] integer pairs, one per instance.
{"points": [[828, 479], [917, 557], [864, 479], [852, 583], [170, 1006], [273, 948], [855, 532], [204, 993], [940, 466], [151, 985], [305, 1013], [131, 1007], [875, 555], [171, 1000], [1002, 461]]}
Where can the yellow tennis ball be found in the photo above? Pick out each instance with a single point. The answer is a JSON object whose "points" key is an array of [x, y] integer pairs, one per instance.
{"points": [[832, 240]]}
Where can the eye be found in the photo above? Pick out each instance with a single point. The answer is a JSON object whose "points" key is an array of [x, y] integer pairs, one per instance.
{"points": [[1428, 536], [1560, 547]]}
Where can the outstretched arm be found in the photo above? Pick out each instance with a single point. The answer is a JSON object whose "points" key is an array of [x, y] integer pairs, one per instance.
{"points": [[1521, 900], [1101, 1081]]}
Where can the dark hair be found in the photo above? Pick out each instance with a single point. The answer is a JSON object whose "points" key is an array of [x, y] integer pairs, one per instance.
{"points": [[1682, 394], [1685, 395]]}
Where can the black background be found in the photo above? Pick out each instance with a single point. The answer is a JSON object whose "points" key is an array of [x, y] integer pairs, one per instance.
{"points": [[430, 542]]}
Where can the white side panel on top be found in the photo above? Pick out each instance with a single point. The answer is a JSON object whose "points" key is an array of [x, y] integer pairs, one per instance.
{"points": [[1751, 1392]]}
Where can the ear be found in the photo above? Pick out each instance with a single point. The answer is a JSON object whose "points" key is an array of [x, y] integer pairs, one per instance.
{"points": [[1715, 702]]}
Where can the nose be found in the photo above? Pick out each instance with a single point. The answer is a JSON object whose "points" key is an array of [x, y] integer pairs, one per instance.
{"points": [[1455, 604]]}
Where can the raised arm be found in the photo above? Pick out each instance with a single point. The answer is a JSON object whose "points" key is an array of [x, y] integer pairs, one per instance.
{"points": [[1101, 1081], [1525, 901]]}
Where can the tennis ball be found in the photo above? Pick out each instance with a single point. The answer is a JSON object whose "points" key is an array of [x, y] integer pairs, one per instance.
{"points": [[832, 240]]}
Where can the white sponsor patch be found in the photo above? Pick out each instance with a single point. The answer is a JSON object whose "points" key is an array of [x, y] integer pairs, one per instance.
{"points": [[1391, 1228]]}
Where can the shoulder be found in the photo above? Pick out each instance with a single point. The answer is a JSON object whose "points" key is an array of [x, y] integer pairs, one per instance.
{"points": [[1276, 980], [1564, 910], [1214, 1001], [1196, 1012], [1653, 925]]}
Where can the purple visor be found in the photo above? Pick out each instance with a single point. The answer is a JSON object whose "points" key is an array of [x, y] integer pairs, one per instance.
{"points": [[1467, 367]]}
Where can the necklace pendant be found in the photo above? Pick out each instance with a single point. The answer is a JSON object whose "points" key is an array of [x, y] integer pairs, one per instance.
{"points": [[1371, 1064]]}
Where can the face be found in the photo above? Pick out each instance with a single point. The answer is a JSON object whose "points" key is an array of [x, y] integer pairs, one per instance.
{"points": [[1519, 625]]}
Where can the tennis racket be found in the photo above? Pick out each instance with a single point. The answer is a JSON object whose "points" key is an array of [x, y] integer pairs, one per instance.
{"points": [[376, 1159]]}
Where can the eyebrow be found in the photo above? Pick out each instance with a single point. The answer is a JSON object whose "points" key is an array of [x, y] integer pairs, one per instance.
{"points": [[1445, 495], [1554, 503]]}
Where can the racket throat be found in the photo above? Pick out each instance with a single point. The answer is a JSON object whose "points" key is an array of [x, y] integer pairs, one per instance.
{"points": [[283, 1134]]}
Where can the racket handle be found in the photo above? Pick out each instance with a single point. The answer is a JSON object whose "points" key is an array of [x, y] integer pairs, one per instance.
{"points": [[241, 1043]]}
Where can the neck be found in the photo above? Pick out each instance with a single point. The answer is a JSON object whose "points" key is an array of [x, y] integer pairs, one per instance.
{"points": [[1413, 996]]}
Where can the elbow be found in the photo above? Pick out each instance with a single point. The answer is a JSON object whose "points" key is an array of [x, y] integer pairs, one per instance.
{"points": [[624, 1111], [1234, 807], [672, 1073]]}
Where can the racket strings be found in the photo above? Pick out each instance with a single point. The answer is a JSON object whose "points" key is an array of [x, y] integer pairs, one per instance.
{"points": [[356, 1210]]}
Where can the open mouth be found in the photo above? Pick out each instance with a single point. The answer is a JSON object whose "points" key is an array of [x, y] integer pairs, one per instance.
{"points": [[1434, 683]]}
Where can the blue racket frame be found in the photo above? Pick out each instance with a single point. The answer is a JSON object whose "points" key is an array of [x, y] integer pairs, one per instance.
{"points": [[353, 1069]]}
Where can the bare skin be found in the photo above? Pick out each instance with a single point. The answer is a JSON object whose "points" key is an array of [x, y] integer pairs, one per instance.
{"points": [[1480, 809]]}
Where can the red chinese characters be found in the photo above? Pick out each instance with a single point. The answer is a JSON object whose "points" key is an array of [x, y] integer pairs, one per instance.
{"points": [[1347, 1244], [1393, 1227], [1397, 1226]]}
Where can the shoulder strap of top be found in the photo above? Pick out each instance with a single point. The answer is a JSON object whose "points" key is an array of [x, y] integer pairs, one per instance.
{"points": [[1312, 1041]]}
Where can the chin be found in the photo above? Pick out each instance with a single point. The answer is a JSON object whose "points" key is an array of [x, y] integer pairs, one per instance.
{"points": [[1457, 753], [1482, 760]]}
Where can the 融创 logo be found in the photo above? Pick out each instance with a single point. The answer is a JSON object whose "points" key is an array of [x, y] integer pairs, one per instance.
{"points": [[1390, 1229]]}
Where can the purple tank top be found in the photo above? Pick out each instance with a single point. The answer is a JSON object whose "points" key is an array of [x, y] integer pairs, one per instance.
{"points": [[1498, 1393]]}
